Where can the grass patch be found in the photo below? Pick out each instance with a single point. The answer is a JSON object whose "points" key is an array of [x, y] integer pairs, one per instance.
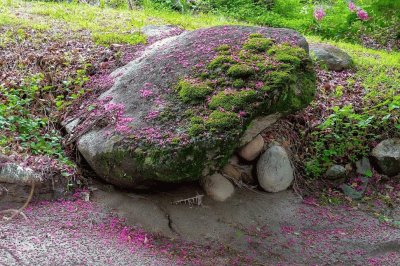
{"points": [[107, 25]]}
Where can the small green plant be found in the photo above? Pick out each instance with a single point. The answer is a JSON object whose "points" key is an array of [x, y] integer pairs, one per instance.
{"points": [[16, 120], [111, 37]]}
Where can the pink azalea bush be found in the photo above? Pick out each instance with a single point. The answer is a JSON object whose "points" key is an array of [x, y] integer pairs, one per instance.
{"points": [[319, 13], [362, 14], [352, 7]]}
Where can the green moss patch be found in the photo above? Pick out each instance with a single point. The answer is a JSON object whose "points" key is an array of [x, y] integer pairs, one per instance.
{"points": [[233, 100], [219, 121], [257, 44], [221, 61], [240, 71], [288, 54], [192, 92]]}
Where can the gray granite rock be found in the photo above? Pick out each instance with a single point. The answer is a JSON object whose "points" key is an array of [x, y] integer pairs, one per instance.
{"points": [[330, 56], [274, 170], [387, 156]]}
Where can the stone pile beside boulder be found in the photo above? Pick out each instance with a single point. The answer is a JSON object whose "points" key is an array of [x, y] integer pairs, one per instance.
{"points": [[257, 163]]}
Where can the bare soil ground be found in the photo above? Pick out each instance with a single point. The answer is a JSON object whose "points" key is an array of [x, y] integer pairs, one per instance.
{"points": [[121, 228]]}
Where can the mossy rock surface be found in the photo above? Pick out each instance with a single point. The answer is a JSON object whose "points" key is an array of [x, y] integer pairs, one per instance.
{"points": [[190, 99]]}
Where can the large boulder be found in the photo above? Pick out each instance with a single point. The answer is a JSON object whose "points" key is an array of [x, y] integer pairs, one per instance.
{"points": [[387, 156], [178, 112], [330, 56]]}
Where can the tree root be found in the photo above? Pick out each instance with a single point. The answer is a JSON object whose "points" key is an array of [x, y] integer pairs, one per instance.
{"points": [[16, 212]]}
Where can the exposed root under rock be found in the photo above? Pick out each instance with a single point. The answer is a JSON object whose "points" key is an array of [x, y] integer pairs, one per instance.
{"points": [[16, 212]]}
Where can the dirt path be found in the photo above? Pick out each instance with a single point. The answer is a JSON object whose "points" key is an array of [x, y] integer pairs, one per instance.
{"points": [[248, 229], [73, 233], [265, 228]]}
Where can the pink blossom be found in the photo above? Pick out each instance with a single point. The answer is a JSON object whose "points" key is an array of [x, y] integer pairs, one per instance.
{"points": [[152, 114], [319, 14], [259, 84], [159, 101], [146, 93], [352, 7], [362, 14], [242, 113]]}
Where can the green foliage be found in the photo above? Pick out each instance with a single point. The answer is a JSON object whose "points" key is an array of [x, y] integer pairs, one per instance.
{"points": [[346, 135], [343, 135], [17, 121], [338, 24]]}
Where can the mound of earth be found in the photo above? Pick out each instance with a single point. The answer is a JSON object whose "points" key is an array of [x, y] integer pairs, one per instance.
{"points": [[179, 111]]}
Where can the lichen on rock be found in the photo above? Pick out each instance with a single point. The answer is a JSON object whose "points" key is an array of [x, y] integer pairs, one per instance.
{"points": [[191, 98]]}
